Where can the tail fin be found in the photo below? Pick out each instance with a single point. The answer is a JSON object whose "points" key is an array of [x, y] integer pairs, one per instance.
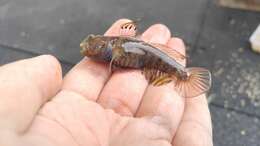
{"points": [[197, 83]]}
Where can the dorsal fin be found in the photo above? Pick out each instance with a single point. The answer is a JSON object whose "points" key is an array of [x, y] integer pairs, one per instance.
{"points": [[128, 29]]}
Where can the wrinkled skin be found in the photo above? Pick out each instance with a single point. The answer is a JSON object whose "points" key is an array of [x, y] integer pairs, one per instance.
{"points": [[90, 108]]}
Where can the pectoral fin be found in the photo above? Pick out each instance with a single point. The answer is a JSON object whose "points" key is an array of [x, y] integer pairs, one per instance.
{"points": [[117, 52], [111, 66]]}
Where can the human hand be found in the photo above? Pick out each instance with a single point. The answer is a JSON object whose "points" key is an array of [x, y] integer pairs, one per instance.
{"points": [[91, 108]]}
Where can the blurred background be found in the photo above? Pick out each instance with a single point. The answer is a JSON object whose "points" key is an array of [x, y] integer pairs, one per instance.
{"points": [[217, 37]]}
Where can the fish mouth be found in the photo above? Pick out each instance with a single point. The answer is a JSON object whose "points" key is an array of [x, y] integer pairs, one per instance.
{"points": [[82, 49], [81, 45], [86, 52]]}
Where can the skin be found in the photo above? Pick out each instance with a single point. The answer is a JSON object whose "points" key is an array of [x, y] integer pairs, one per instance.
{"points": [[90, 108]]}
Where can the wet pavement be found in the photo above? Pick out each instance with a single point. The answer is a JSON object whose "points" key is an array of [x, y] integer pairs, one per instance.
{"points": [[217, 38]]}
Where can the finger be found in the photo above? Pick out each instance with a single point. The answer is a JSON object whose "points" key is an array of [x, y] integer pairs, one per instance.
{"points": [[163, 101], [24, 87], [124, 90], [178, 45], [88, 77], [150, 35], [195, 128]]}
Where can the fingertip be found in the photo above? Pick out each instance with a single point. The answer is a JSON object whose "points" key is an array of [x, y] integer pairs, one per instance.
{"points": [[115, 28], [157, 33], [177, 44], [52, 62], [50, 70], [160, 27]]}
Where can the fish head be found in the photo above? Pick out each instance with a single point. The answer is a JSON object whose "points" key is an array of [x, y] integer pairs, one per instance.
{"points": [[96, 47]]}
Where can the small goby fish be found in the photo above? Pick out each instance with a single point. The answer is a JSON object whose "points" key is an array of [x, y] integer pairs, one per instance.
{"points": [[158, 62]]}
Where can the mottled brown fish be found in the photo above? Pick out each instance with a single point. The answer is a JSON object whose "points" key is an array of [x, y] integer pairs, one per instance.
{"points": [[158, 62]]}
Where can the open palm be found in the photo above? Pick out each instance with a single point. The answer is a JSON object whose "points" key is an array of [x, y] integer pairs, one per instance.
{"points": [[89, 107]]}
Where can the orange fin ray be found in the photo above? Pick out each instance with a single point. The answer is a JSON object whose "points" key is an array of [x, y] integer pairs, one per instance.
{"points": [[161, 80], [156, 77], [129, 29], [197, 82]]}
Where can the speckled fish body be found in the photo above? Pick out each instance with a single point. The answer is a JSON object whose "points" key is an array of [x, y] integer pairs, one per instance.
{"points": [[158, 67], [134, 53]]}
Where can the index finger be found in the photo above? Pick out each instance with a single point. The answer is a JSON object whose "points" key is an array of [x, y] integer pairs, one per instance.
{"points": [[88, 77]]}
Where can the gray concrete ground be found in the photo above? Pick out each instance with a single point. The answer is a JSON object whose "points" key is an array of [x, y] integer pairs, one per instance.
{"points": [[216, 37]]}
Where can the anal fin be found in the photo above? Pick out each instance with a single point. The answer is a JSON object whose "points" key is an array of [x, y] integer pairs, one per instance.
{"points": [[161, 80], [156, 77]]}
